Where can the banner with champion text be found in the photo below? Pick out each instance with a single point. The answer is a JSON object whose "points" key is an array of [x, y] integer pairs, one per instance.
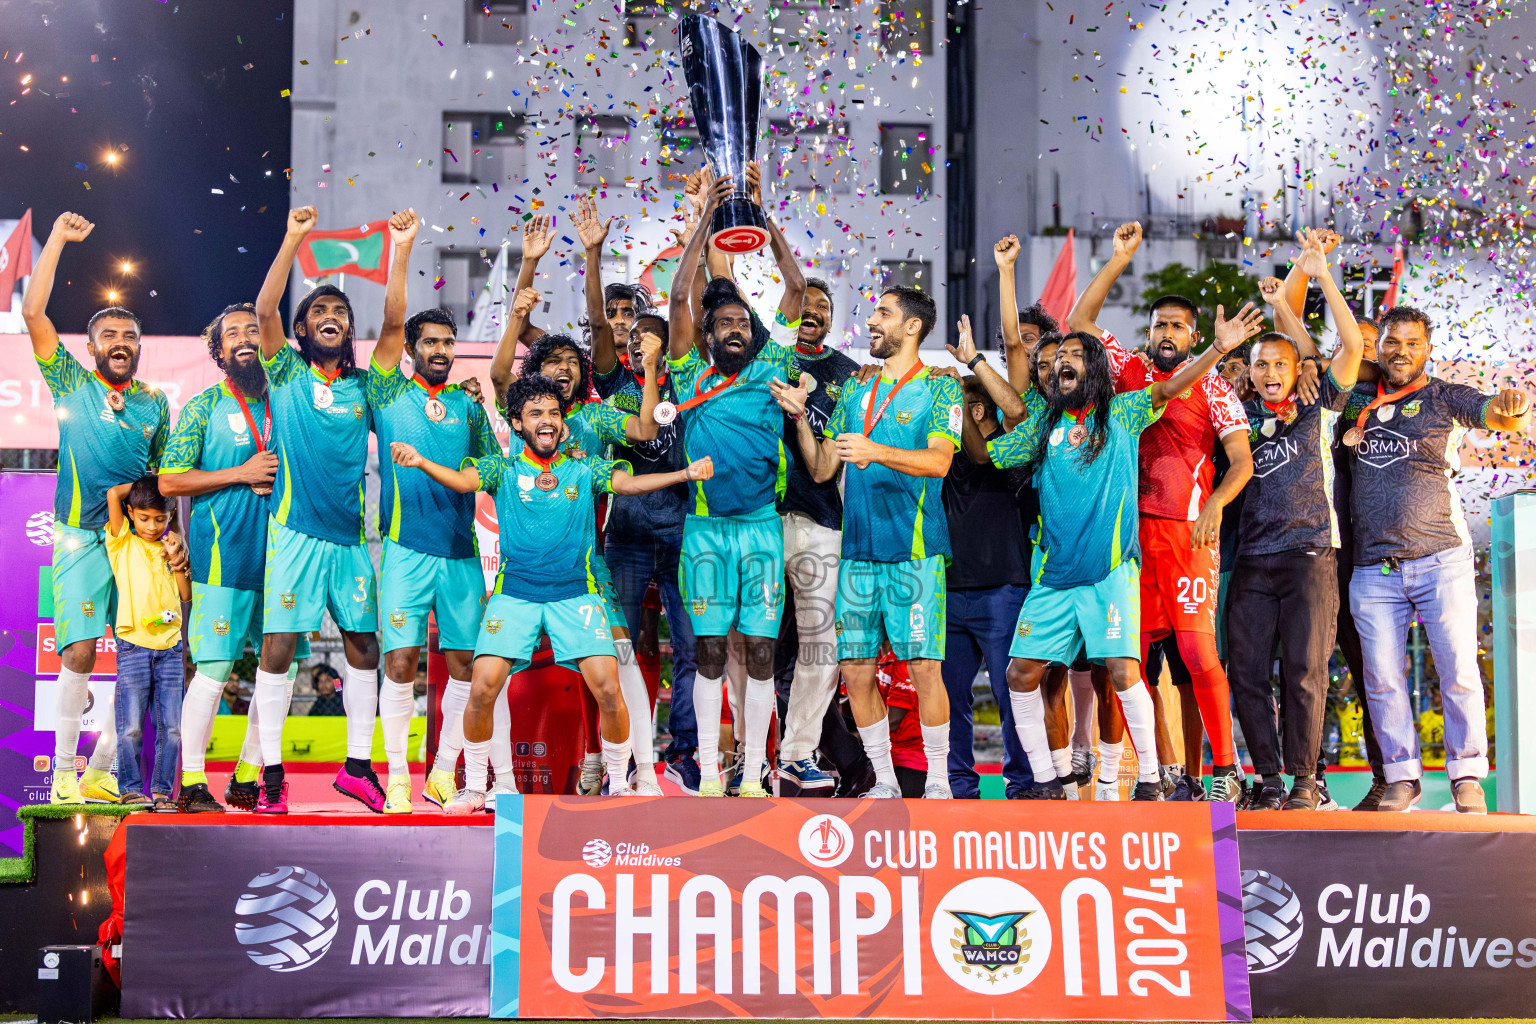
{"points": [[840, 909]]}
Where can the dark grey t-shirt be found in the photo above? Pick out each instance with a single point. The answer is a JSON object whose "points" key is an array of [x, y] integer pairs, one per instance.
{"points": [[823, 503], [1288, 505], [1403, 501], [645, 515]]}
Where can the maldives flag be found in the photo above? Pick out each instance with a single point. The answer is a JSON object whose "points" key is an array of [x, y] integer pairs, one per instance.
{"points": [[1060, 292], [362, 251], [15, 260]]}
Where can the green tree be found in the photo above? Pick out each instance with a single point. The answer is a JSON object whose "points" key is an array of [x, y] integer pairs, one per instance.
{"points": [[1222, 284]]}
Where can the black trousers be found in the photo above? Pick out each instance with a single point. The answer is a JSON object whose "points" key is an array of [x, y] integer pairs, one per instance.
{"points": [[1292, 597]]}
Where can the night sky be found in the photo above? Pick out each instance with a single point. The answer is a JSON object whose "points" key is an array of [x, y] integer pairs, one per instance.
{"points": [[188, 94]]}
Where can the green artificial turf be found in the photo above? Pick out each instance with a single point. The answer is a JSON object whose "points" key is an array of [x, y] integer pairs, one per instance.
{"points": [[24, 868]]}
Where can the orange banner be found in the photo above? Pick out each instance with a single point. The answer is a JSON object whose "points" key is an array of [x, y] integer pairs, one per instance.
{"points": [[838, 909]]}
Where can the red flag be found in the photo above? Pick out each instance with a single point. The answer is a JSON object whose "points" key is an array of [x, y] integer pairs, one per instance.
{"points": [[15, 260], [362, 251], [1060, 292], [1390, 299]]}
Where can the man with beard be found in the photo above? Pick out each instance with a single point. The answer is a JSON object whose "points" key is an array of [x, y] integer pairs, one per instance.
{"points": [[1023, 330], [732, 570], [1413, 553], [1180, 503], [220, 455], [112, 431], [895, 545], [1088, 594], [430, 563], [316, 560], [545, 503]]}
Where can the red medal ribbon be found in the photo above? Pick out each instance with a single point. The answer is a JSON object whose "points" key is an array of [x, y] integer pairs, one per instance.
{"points": [[1078, 415], [430, 389], [803, 350], [330, 378], [873, 416], [1279, 410], [700, 399], [533, 457], [1383, 398], [265, 434], [119, 388]]}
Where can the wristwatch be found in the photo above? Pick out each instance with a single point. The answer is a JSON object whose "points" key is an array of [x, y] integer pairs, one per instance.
{"points": [[979, 358]]}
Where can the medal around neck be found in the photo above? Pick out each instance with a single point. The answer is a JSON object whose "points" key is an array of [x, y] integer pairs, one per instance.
{"points": [[664, 413], [115, 400], [546, 481], [436, 410]]}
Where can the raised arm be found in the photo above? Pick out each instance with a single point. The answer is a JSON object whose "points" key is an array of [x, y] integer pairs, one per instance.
{"points": [[464, 481], [1345, 366], [1286, 322], [504, 362], [1229, 334], [1085, 312], [116, 521], [593, 231], [1006, 253], [67, 227], [402, 235], [274, 334], [820, 453], [623, 482], [1296, 280], [538, 233], [682, 329], [1009, 404], [644, 427], [789, 268]]}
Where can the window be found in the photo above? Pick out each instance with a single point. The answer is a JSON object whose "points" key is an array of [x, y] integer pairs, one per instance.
{"points": [[911, 273], [906, 159], [482, 148], [602, 151], [501, 23], [814, 156], [464, 275], [906, 25]]}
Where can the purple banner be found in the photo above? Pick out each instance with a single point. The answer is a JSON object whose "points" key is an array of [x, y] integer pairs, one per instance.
{"points": [[307, 919]]}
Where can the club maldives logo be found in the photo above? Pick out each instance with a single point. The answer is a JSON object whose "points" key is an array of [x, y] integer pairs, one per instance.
{"points": [[40, 528], [826, 840], [990, 935], [1272, 921], [287, 919], [597, 853]]}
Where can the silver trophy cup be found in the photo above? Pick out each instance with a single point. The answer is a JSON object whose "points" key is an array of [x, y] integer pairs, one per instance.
{"points": [[725, 85]]}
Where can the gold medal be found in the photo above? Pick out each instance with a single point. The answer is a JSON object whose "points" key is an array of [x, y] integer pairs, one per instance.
{"points": [[436, 410], [1077, 435], [1353, 436], [115, 400], [664, 413], [261, 489], [546, 481]]}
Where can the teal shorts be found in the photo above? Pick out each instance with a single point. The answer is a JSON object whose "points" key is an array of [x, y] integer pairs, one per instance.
{"points": [[307, 576], [1104, 617], [577, 628], [224, 619], [1221, 614], [84, 595], [412, 584], [732, 573], [903, 602]]}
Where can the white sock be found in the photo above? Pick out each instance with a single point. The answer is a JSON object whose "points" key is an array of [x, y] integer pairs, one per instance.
{"points": [[450, 736], [1082, 709], [106, 742], [1062, 759], [74, 691], [271, 697], [757, 714], [877, 747], [360, 696], [475, 756], [616, 760], [396, 702], [936, 749], [1109, 761], [1136, 704], [1029, 723], [198, 708], [501, 742], [637, 700], [250, 749], [707, 698]]}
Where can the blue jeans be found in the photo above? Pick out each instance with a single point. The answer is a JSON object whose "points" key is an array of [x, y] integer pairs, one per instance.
{"points": [[1441, 591], [634, 562], [979, 627], [148, 681]]}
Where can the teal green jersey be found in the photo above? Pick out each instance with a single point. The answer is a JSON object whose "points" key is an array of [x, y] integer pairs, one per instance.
{"points": [[548, 538], [413, 510], [321, 440], [99, 448], [228, 536], [595, 427], [741, 428], [1088, 521], [889, 516]]}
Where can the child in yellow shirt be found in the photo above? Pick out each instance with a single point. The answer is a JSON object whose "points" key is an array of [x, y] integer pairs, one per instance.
{"points": [[150, 675]]}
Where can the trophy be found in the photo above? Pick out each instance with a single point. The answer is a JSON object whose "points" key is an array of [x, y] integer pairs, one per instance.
{"points": [[725, 86]]}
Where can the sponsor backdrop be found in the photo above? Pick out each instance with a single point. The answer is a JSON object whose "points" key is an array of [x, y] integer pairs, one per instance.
{"points": [[307, 918], [849, 909], [1391, 923]]}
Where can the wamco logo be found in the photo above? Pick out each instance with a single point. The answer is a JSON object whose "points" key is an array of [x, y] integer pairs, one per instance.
{"points": [[1381, 447], [990, 935]]}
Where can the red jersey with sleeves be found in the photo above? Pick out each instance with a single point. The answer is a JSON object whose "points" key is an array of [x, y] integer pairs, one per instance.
{"points": [[1177, 473]]}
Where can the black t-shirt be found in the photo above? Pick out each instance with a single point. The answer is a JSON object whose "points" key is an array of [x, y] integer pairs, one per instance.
{"points": [[1403, 501], [986, 525], [644, 515], [823, 503], [1232, 515], [1289, 504]]}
